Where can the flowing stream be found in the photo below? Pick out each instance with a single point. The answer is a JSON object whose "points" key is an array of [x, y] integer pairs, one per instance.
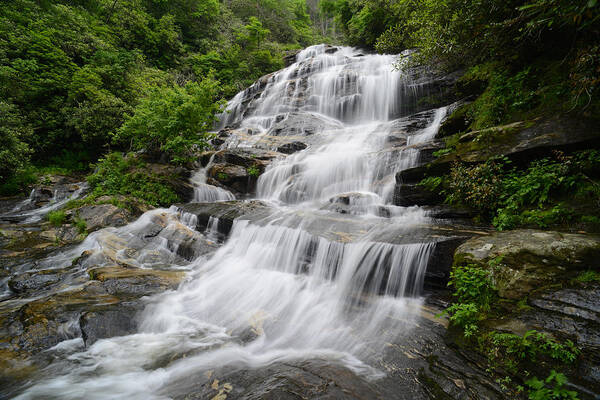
{"points": [[333, 272]]}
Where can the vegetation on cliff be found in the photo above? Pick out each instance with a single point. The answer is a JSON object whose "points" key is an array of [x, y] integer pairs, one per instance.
{"points": [[77, 76]]}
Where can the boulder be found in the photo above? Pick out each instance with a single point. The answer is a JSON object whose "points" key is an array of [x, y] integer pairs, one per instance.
{"points": [[525, 260], [520, 141], [303, 124], [290, 57], [523, 140], [292, 147], [226, 212], [103, 215], [410, 194], [238, 170], [119, 280]]}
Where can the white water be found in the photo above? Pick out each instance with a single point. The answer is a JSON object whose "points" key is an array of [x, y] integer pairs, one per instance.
{"points": [[23, 212], [303, 283], [203, 192]]}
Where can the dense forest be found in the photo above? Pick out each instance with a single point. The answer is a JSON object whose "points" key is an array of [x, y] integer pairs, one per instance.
{"points": [[79, 77]]}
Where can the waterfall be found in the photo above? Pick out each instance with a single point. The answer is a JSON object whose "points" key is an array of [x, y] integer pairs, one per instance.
{"points": [[306, 281]]}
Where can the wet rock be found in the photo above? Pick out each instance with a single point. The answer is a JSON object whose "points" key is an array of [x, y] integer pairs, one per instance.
{"points": [[570, 313], [233, 177], [331, 49], [129, 285], [355, 198], [418, 365], [118, 280], [440, 261], [303, 124], [226, 212], [456, 122], [290, 57], [411, 194], [103, 215], [32, 281], [108, 323], [292, 147], [528, 259], [358, 203], [312, 379], [520, 141], [103, 307], [452, 213], [177, 177], [238, 170], [52, 188]]}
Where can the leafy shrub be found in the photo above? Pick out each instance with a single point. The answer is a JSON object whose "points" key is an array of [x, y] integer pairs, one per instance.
{"points": [[222, 176], [552, 388], [56, 218], [510, 198], [81, 225], [253, 171], [505, 96], [19, 182], [173, 120], [532, 345], [588, 276], [474, 293], [478, 187], [127, 175], [14, 153]]}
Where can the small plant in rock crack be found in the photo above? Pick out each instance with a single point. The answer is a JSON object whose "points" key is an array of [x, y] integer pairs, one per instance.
{"points": [[551, 388], [474, 293], [56, 218], [253, 171]]}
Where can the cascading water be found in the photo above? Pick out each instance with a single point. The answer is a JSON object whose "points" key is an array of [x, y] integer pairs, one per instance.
{"points": [[305, 282]]}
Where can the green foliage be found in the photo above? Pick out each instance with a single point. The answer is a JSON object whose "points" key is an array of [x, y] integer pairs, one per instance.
{"points": [[127, 175], [56, 218], [526, 194], [531, 346], [81, 225], [14, 153], [443, 152], [552, 388], [474, 293], [588, 276], [478, 187], [534, 196], [253, 171], [434, 184], [529, 52], [506, 94], [73, 73], [19, 183], [173, 120], [254, 32]]}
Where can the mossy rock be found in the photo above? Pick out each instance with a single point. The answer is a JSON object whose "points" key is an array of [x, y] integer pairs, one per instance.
{"points": [[521, 261]]}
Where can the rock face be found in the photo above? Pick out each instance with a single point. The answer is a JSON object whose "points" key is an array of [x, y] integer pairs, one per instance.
{"points": [[97, 295], [528, 259], [224, 213], [103, 215], [520, 141], [302, 124], [542, 270], [238, 170]]}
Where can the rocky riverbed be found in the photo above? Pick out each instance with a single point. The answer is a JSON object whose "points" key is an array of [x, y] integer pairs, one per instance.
{"points": [[309, 263]]}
